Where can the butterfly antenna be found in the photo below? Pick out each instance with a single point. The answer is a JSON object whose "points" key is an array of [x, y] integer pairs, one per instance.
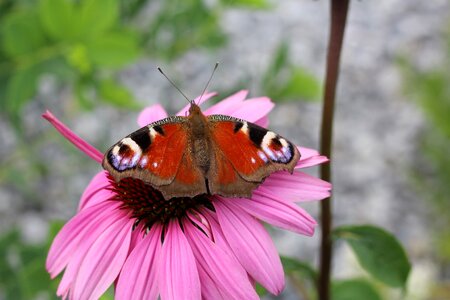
{"points": [[174, 85], [209, 80]]}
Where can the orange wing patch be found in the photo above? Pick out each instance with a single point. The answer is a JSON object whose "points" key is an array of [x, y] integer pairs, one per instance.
{"points": [[163, 157], [188, 173], [237, 148], [225, 171]]}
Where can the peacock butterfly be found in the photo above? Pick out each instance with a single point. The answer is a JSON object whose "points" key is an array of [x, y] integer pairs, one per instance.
{"points": [[198, 154]]}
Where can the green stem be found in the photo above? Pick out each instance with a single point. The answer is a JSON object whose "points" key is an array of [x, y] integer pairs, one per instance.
{"points": [[339, 10]]}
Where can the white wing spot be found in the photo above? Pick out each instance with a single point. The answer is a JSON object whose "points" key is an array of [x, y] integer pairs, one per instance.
{"points": [[143, 162], [132, 144], [153, 132], [267, 140], [127, 163], [244, 128]]}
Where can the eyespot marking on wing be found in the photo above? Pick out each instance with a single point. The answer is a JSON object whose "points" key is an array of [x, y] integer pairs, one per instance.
{"points": [[125, 155], [277, 148]]}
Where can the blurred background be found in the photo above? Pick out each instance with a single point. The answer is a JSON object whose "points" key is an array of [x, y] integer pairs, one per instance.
{"points": [[93, 63]]}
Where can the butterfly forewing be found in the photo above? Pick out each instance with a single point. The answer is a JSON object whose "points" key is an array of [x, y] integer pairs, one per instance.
{"points": [[152, 153]]}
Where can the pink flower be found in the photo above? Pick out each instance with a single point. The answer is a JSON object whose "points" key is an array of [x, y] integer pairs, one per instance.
{"points": [[184, 248]]}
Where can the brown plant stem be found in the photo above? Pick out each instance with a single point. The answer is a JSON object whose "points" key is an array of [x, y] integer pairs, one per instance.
{"points": [[339, 10]]}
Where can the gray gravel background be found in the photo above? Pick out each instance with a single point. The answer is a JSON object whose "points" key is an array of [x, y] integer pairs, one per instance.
{"points": [[376, 126]]}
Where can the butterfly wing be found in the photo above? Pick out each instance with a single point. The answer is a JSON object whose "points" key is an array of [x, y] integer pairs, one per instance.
{"points": [[156, 154], [245, 154]]}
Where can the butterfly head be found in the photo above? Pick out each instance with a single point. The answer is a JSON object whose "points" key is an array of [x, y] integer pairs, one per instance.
{"points": [[194, 109]]}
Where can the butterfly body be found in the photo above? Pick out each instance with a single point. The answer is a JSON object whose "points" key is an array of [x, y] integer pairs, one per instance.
{"points": [[198, 154]]}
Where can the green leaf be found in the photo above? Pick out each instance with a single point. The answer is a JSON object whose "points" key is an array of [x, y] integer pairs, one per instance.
{"points": [[282, 81], [255, 4], [78, 58], [260, 290], [24, 276], [130, 8], [353, 289], [113, 49], [85, 93], [21, 87], [182, 25], [108, 295], [301, 84], [96, 17], [378, 252], [33, 276], [280, 60], [114, 93], [21, 33], [53, 230], [292, 265], [58, 18], [434, 92], [7, 240]]}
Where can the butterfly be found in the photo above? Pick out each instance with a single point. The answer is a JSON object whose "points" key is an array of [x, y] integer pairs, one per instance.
{"points": [[198, 154]]}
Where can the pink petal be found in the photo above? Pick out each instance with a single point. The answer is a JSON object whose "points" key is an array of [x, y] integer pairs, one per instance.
{"points": [[307, 152], [137, 235], [151, 114], [97, 184], [94, 230], [220, 273], [263, 122], [254, 109], [310, 162], [89, 222], [235, 106], [278, 212], [309, 158], [138, 278], [183, 112], [73, 138], [103, 262], [217, 234], [101, 196], [251, 244], [297, 186], [178, 277], [199, 220], [228, 104]]}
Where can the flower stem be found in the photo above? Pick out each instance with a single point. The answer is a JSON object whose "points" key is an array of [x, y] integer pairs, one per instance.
{"points": [[339, 10]]}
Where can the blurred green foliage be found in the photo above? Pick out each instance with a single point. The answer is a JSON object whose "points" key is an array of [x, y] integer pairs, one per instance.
{"points": [[430, 89], [22, 267], [79, 43], [83, 44]]}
